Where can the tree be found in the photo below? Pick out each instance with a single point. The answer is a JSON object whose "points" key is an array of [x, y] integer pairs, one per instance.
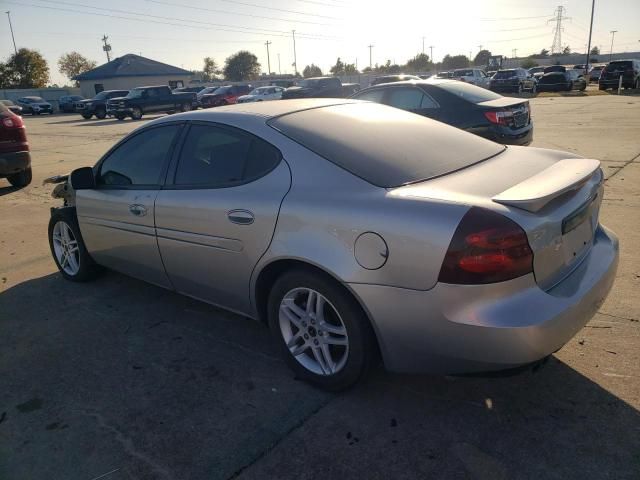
{"points": [[242, 65], [528, 63], [566, 50], [457, 61], [311, 71], [595, 51], [482, 58], [419, 63], [209, 69], [72, 64], [26, 69], [544, 52], [338, 68], [350, 69]]}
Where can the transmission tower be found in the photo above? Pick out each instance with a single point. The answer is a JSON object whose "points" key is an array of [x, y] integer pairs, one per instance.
{"points": [[557, 35]]}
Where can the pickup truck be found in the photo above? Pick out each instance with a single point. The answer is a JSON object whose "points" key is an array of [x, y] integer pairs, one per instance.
{"points": [[320, 87], [153, 99]]}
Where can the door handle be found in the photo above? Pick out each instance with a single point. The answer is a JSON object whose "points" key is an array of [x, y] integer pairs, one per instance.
{"points": [[138, 210], [241, 217]]}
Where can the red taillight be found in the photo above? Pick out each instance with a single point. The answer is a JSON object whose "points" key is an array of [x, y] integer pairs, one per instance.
{"points": [[486, 248], [499, 117], [12, 121]]}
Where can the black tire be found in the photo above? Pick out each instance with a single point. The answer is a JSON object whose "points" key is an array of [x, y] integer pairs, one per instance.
{"points": [[136, 113], [602, 87], [185, 107], [583, 88], [570, 87], [120, 117], [361, 346], [101, 113], [21, 179], [534, 88], [88, 269], [86, 116], [519, 91]]}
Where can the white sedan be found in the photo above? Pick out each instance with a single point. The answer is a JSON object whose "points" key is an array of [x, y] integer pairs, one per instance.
{"points": [[262, 94]]}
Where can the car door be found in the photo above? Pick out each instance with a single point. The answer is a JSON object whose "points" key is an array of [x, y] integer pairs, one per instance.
{"points": [[217, 218], [117, 217]]}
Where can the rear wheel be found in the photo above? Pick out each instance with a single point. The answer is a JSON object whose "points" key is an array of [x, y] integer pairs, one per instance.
{"points": [[21, 179], [86, 116], [68, 249], [322, 331], [185, 107], [136, 113], [601, 87], [534, 88], [120, 117], [519, 89], [101, 113], [636, 84], [569, 86]]}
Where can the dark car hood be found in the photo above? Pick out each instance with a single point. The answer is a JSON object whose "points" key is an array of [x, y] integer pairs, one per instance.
{"points": [[88, 100], [299, 90]]}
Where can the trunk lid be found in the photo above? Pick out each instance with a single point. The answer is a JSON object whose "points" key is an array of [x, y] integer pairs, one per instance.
{"points": [[554, 196]]}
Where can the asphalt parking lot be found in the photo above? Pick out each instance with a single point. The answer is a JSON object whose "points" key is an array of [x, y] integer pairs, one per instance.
{"points": [[117, 379]]}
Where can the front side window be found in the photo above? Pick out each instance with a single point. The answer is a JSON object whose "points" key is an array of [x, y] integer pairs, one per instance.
{"points": [[218, 157], [140, 160]]}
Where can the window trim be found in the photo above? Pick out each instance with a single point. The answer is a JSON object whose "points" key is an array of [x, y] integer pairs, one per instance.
{"points": [[177, 153], [163, 171]]}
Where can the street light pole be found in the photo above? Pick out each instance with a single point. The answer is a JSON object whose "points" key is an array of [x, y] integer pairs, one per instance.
{"points": [[11, 28], [295, 59], [431, 48], [279, 70], [267, 43], [423, 45], [586, 64], [613, 34], [370, 57]]}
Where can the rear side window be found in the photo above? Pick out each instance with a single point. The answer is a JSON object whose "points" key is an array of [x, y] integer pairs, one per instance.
{"points": [[471, 93], [385, 146], [139, 160], [371, 96], [218, 157], [409, 99]]}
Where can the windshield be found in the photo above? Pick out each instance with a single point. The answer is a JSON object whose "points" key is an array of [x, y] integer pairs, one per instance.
{"points": [[259, 91], [385, 146], [468, 92], [615, 66], [536, 70], [463, 73], [505, 74], [135, 93]]}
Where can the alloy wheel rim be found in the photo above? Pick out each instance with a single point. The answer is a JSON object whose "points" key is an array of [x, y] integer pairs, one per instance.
{"points": [[313, 331], [65, 247]]}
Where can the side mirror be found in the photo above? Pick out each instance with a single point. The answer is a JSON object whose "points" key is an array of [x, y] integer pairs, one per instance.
{"points": [[83, 179]]}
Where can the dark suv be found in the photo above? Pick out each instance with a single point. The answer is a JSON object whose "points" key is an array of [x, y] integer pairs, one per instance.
{"points": [[629, 70], [98, 105], [514, 80]]}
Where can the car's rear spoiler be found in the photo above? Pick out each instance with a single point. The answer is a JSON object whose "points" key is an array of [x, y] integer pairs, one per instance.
{"points": [[535, 192]]}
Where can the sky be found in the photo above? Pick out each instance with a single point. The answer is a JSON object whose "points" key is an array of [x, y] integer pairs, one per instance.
{"points": [[183, 32]]}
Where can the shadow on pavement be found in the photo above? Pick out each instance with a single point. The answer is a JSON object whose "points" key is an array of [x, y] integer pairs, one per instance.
{"points": [[6, 190], [118, 374]]}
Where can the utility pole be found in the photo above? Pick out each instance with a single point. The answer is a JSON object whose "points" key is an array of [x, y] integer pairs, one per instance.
{"points": [[106, 47], [267, 43], [370, 57], [556, 47], [279, 70], [479, 48], [613, 34], [431, 48], [11, 28], [586, 64], [423, 45], [515, 53], [295, 59]]}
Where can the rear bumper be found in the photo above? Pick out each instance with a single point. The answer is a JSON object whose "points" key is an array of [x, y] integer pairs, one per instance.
{"points": [[552, 87], [510, 88], [627, 81], [14, 162], [477, 328], [504, 135]]}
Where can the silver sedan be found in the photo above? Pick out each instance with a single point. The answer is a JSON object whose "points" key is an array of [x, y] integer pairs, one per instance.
{"points": [[353, 230]]}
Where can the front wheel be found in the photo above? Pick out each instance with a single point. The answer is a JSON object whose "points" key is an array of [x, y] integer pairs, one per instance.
{"points": [[570, 87], [86, 116], [68, 249], [120, 117], [520, 89], [185, 107], [534, 88], [136, 113], [323, 333], [21, 179], [101, 113]]}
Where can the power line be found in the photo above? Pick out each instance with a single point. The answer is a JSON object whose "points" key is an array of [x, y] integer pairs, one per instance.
{"points": [[11, 28], [180, 5], [246, 4], [273, 33], [500, 19]]}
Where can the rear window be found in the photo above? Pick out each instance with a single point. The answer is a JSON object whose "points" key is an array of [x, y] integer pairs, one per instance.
{"points": [[471, 93], [463, 73], [613, 66], [553, 78], [385, 146], [505, 74]]}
